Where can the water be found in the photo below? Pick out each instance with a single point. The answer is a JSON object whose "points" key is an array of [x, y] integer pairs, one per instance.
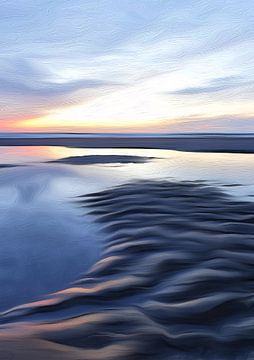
{"points": [[161, 267], [38, 135], [222, 169]]}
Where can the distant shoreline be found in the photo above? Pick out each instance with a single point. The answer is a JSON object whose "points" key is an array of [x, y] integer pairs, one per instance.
{"points": [[196, 143]]}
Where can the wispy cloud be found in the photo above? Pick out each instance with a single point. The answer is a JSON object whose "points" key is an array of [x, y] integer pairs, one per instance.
{"points": [[59, 54], [233, 123], [32, 82], [215, 85]]}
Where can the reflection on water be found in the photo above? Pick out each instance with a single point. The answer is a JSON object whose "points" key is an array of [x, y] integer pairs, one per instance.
{"points": [[166, 267], [46, 242], [221, 168]]}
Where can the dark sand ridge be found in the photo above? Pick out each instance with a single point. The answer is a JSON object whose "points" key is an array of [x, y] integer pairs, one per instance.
{"points": [[93, 160], [6, 166], [102, 159], [199, 143], [175, 281]]}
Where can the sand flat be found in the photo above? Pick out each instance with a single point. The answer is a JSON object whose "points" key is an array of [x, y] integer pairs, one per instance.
{"points": [[175, 281], [231, 144]]}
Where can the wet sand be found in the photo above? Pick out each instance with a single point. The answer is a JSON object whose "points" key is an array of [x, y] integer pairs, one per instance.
{"points": [[175, 281], [102, 159], [202, 144]]}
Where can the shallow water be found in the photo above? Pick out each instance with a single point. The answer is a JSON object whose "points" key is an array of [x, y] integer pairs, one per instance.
{"points": [[219, 168], [167, 265]]}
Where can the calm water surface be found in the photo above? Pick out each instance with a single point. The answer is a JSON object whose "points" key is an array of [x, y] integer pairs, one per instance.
{"points": [[48, 240]]}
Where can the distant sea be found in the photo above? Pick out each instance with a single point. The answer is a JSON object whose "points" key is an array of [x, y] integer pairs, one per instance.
{"points": [[27, 135]]}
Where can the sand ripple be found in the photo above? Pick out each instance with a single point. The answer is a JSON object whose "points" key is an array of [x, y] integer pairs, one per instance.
{"points": [[175, 281]]}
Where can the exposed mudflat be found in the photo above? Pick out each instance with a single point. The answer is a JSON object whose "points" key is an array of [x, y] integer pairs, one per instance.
{"points": [[175, 281]]}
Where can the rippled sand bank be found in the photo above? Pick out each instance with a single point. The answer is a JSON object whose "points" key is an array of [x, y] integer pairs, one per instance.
{"points": [[175, 281]]}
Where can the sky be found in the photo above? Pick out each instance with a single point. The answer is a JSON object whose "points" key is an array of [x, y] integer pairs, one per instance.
{"points": [[127, 65]]}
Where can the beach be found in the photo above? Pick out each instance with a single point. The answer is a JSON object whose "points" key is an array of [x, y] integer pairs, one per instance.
{"points": [[174, 280], [126, 180], [215, 143], [125, 254]]}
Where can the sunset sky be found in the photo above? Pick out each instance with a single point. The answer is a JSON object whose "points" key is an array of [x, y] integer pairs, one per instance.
{"points": [[127, 65]]}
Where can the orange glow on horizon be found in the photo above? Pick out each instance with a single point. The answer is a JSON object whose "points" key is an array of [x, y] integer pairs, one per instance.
{"points": [[39, 125], [181, 124]]}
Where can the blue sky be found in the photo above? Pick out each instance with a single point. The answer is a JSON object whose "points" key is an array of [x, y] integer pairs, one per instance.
{"points": [[127, 65]]}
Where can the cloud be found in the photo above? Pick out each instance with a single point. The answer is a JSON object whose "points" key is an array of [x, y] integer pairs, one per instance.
{"points": [[27, 89], [61, 53], [233, 123], [214, 86], [25, 79]]}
